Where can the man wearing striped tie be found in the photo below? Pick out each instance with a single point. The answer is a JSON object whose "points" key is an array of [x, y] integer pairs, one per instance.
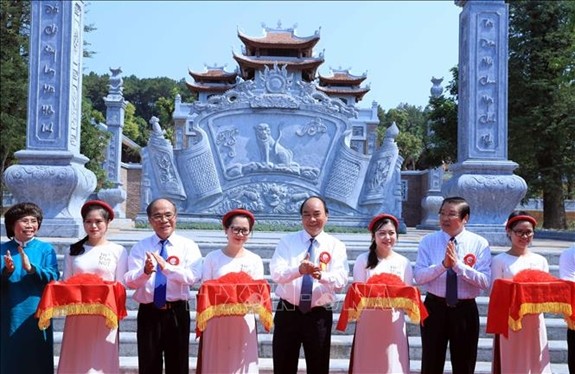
{"points": [[309, 266], [453, 265], [162, 268]]}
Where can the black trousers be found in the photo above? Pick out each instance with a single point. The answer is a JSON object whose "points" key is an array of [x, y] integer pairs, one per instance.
{"points": [[571, 350], [457, 325], [164, 334], [292, 328]]}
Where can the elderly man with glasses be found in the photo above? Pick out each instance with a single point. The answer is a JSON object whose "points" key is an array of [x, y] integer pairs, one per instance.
{"points": [[453, 265], [162, 268]]}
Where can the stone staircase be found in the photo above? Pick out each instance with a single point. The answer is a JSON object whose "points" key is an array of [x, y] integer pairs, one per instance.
{"points": [[264, 243]]}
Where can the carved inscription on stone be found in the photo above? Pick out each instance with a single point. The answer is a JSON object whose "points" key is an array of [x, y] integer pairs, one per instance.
{"points": [[487, 73], [342, 181]]}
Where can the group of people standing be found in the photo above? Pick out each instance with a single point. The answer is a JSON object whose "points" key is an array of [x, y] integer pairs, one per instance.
{"points": [[309, 268]]}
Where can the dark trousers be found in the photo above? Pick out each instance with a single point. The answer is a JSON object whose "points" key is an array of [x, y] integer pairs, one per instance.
{"points": [[571, 350], [292, 328], [164, 333], [457, 325]]}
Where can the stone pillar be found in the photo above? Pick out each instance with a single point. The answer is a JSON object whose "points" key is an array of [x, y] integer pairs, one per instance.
{"points": [[433, 197], [50, 171], [483, 175], [115, 109]]}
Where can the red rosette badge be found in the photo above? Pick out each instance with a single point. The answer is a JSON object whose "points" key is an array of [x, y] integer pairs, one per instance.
{"points": [[469, 259], [324, 259], [173, 260]]}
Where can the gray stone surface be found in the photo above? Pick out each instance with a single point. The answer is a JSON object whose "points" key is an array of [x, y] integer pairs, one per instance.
{"points": [[483, 175], [50, 171]]}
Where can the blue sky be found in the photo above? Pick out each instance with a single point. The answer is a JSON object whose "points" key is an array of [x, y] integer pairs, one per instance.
{"points": [[401, 44]]}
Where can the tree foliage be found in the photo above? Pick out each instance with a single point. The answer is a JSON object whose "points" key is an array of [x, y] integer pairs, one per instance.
{"points": [[441, 115], [410, 121], [146, 98], [542, 101], [14, 31]]}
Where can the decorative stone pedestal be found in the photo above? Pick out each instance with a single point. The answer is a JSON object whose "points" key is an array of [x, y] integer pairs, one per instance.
{"points": [[492, 191], [58, 183]]}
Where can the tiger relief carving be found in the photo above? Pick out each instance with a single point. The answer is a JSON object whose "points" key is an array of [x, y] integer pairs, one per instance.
{"points": [[271, 151]]}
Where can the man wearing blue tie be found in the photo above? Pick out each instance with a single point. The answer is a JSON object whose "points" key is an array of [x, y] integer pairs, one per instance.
{"points": [[453, 265], [309, 266], [162, 268]]}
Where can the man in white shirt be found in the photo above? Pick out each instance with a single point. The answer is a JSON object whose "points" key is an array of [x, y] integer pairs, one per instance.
{"points": [[314, 257], [454, 317], [567, 271], [162, 268]]}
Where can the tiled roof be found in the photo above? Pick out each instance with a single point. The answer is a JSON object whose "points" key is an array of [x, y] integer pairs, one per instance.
{"points": [[285, 38], [292, 62]]}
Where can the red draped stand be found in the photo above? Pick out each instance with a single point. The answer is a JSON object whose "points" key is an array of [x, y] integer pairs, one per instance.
{"points": [[510, 300], [379, 295], [82, 294], [529, 292], [234, 294]]}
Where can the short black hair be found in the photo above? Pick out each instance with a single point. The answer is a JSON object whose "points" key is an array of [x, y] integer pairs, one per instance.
{"points": [[464, 209], [18, 211]]}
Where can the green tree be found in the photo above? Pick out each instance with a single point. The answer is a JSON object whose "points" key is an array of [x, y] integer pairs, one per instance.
{"points": [[14, 31], [441, 117], [541, 101], [410, 120], [93, 143]]}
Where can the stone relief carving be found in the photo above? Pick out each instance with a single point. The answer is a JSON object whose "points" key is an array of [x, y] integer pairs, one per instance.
{"points": [[271, 151], [248, 147], [277, 198], [227, 139], [316, 126], [161, 165]]}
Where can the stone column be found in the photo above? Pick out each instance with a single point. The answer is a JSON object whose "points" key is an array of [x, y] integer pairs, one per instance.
{"points": [[115, 109], [483, 175], [50, 171]]}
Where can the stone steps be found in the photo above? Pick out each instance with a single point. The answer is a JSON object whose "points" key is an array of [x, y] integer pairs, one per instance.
{"points": [[556, 326], [129, 365], [340, 347]]}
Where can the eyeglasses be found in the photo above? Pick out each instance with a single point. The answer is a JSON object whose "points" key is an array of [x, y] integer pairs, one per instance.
{"points": [[160, 217], [449, 215], [28, 221], [521, 233], [240, 230]]}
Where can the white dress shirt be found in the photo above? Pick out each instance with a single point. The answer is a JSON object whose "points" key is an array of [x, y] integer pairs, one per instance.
{"points": [[183, 268], [567, 264], [292, 250], [471, 280]]}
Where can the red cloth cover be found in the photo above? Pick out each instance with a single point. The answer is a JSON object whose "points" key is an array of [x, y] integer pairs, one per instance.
{"points": [[82, 294], [530, 292], [234, 294], [382, 291]]}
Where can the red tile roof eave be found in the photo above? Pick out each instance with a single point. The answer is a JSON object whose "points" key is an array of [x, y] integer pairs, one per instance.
{"points": [[268, 42], [205, 77], [304, 65], [195, 88], [356, 93], [349, 81]]}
